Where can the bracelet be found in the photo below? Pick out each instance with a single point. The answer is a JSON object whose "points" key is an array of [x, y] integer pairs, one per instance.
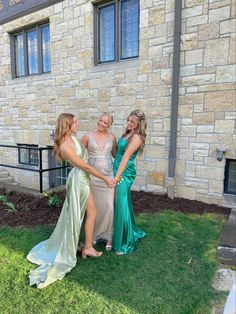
{"points": [[119, 180]]}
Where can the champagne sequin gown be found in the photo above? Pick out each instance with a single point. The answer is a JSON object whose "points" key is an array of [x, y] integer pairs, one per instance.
{"points": [[101, 159]]}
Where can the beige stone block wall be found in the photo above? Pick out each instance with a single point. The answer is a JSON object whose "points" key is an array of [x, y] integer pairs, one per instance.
{"points": [[206, 117], [207, 72]]}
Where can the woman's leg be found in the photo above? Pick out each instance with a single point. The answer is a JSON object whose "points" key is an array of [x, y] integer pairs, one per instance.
{"points": [[91, 212]]}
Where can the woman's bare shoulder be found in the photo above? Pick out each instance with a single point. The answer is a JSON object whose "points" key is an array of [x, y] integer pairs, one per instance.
{"points": [[67, 145], [135, 141], [136, 138]]}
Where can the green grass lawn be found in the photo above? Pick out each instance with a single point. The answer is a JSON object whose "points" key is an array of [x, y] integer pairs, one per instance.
{"points": [[170, 273]]}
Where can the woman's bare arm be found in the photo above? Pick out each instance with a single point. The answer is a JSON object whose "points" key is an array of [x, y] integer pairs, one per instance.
{"points": [[85, 139], [68, 153], [114, 145]]}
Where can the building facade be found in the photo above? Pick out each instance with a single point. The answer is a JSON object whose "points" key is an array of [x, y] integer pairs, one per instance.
{"points": [[86, 57]]}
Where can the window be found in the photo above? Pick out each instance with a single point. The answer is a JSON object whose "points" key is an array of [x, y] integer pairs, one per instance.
{"points": [[230, 176], [116, 30], [28, 156], [62, 174], [30, 51]]}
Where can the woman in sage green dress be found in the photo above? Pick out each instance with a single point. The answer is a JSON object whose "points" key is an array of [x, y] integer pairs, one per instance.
{"points": [[130, 145], [57, 255]]}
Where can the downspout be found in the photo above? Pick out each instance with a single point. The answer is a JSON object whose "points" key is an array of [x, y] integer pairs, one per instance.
{"points": [[174, 101]]}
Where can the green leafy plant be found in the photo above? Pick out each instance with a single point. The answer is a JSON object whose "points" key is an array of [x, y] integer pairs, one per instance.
{"points": [[53, 199], [10, 206]]}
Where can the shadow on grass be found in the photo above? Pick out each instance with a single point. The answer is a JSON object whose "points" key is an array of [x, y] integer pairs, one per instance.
{"points": [[170, 273]]}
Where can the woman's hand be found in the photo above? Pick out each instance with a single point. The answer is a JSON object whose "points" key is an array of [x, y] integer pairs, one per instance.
{"points": [[109, 182]]}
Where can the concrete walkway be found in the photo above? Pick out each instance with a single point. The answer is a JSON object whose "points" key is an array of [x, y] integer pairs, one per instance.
{"points": [[225, 279], [227, 242]]}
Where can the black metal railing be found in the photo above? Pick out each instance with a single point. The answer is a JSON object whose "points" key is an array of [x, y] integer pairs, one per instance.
{"points": [[40, 169]]}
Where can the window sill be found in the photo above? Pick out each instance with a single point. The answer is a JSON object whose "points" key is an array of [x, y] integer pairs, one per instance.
{"points": [[109, 66], [28, 166], [33, 77], [229, 200]]}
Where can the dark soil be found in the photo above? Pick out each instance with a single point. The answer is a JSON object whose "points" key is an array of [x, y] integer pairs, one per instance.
{"points": [[34, 210]]}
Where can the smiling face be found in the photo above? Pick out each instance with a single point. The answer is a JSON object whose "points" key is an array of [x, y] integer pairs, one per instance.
{"points": [[74, 126], [103, 124], [132, 123]]}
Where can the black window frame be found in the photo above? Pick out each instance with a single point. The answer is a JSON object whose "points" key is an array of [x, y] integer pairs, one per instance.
{"points": [[23, 31], [60, 178], [226, 179], [28, 148], [118, 45]]}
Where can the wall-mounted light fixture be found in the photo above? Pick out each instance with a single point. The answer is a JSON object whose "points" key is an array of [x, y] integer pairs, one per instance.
{"points": [[220, 151], [52, 134]]}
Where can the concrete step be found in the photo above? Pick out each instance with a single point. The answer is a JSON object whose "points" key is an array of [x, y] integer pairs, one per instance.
{"points": [[11, 184], [226, 255], [6, 180], [4, 174]]}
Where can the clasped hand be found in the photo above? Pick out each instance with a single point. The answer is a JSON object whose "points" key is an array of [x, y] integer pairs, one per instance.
{"points": [[111, 183]]}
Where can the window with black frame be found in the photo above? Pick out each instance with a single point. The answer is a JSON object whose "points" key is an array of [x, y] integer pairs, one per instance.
{"points": [[230, 176], [62, 174], [28, 156], [116, 30], [30, 51]]}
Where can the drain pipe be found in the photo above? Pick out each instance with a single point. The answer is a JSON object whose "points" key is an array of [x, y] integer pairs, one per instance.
{"points": [[174, 101]]}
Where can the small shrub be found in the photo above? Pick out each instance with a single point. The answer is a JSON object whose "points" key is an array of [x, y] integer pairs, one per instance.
{"points": [[53, 199], [10, 206]]}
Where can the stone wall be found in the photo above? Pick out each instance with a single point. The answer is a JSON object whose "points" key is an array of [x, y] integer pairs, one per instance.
{"points": [[206, 117], [207, 105]]}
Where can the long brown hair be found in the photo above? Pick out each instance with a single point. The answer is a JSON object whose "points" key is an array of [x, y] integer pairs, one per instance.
{"points": [[62, 131], [139, 115]]}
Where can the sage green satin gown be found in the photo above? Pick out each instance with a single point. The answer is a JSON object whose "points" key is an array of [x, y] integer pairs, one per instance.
{"points": [[126, 232], [57, 255]]}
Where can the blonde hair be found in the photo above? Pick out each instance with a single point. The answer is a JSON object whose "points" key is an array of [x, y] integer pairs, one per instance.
{"points": [[141, 129], [62, 131], [109, 116]]}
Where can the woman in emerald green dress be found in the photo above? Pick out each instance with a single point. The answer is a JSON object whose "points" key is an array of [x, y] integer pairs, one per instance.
{"points": [[130, 145], [57, 255]]}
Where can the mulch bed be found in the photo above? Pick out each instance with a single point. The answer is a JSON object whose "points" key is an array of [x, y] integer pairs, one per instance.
{"points": [[34, 210]]}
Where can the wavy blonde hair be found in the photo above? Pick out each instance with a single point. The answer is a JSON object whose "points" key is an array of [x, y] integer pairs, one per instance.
{"points": [[109, 116], [139, 115], [62, 131]]}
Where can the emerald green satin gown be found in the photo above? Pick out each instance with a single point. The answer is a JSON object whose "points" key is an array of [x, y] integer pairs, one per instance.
{"points": [[57, 255], [126, 232]]}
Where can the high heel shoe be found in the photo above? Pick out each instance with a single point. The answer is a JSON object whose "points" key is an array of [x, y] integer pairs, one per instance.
{"points": [[108, 246], [79, 249], [89, 251], [119, 253]]}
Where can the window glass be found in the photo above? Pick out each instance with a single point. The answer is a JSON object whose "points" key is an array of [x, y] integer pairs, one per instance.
{"points": [[24, 156], [20, 65], [46, 48], [32, 47], [28, 156], [232, 177], [116, 31], [107, 33], [34, 157], [62, 174], [129, 28], [31, 51]]}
